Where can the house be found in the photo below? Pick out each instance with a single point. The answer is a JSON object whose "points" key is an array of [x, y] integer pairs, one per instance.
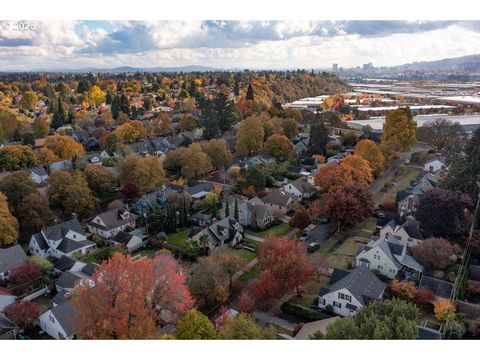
{"points": [[38, 174], [200, 190], [65, 238], [226, 232], [280, 201], [61, 165], [407, 202], [157, 197], [201, 219], [109, 223], [407, 231], [221, 178], [300, 188], [435, 164], [10, 258], [6, 298], [65, 263], [254, 213], [58, 321], [130, 241], [258, 160], [69, 279], [388, 256], [310, 328], [8, 330], [349, 291], [280, 181], [439, 288]]}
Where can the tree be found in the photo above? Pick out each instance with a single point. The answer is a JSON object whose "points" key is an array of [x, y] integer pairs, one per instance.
{"points": [[40, 127], [390, 319], [290, 128], [359, 168], [434, 253], [45, 156], [235, 210], [43, 263], [246, 303], [371, 152], [440, 133], [129, 297], [33, 213], [423, 297], [195, 326], [16, 157], [174, 159], [16, 186], [64, 146], [279, 146], [8, 223], [58, 183], [25, 273], [266, 288], [96, 96], [162, 124], [404, 290], [23, 314], [249, 136], [218, 152], [349, 138], [195, 162], [29, 101], [301, 219], [225, 111], [443, 309], [442, 213], [145, 173], [244, 327], [250, 95], [318, 138], [333, 177], [208, 281], [399, 130], [131, 132], [80, 199], [230, 263], [187, 123], [227, 207], [350, 205], [101, 180], [287, 260], [209, 120], [156, 220]]}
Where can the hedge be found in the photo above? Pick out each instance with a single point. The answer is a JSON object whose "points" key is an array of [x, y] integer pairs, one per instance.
{"points": [[303, 312]]}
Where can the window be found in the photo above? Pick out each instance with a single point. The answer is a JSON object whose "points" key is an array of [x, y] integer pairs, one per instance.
{"points": [[321, 301], [337, 304], [380, 266], [344, 297]]}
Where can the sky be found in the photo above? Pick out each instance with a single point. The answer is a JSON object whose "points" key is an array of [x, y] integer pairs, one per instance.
{"points": [[56, 45]]}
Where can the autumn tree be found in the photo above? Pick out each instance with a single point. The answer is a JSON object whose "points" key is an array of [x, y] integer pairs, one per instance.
{"points": [[244, 327], [40, 127], [301, 219], [128, 298], [440, 133], [230, 263], [100, 180], [208, 281], [29, 101], [195, 326], [45, 156], [145, 173], [195, 162], [218, 152], [96, 96], [58, 183], [161, 125], [442, 213], [443, 309], [42, 262], [23, 314], [423, 297], [399, 131], [279, 146], [16, 157], [359, 168], [434, 253], [371, 152], [187, 123], [404, 290], [24, 274], [131, 132], [348, 206], [266, 288], [333, 177], [249, 136], [33, 213], [246, 303], [16, 186], [8, 223], [64, 146]]}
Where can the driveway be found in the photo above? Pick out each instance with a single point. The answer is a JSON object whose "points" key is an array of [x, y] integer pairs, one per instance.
{"points": [[320, 233]]}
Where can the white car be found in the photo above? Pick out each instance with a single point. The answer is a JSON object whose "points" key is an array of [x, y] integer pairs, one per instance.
{"points": [[407, 161]]}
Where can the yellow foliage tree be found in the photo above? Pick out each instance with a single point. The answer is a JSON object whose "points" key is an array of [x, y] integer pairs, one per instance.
{"points": [[64, 146], [443, 308], [96, 96]]}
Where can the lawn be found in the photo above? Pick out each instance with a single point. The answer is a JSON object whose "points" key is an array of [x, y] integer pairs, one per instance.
{"points": [[178, 239], [362, 233], [44, 303], [333, 240], [246, 254], [401, 182], [147, 252], [252, 243], [280, 229], [339, 258], [250, 274]]}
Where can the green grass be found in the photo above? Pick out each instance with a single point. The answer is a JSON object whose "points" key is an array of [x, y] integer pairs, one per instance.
{"points": [[333, 240], [280, 229], [246, 254], [90, 259], [147, 252], [178, 239], [252, 243], [250, 274], [401, 183], [362, 233], [339, 259]]}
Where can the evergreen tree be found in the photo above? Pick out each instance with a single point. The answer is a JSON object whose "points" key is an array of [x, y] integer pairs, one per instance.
{"points": [[124, 104], [115, 106], [250, 95], [109, 98], [318, 137], [235, 210], [214, 209], [209, 120], [156, 220], [59, 115], [224, 107], [227, 209], [236, 88]]}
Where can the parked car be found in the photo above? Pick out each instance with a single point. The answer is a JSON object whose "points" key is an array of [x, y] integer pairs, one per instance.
{"points": [[312, 247], [407, 161], [324, 220], [305, 236]]}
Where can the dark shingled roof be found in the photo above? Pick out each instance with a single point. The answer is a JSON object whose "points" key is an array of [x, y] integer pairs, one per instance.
{"points": [[57, 232], [68, 280], [425, 333], [474, 272], [64, 314], [64, 263], [12, 257], [122, 237], [61, 297], [89, 269], [113, 219], [68, 245], [439, 288]]}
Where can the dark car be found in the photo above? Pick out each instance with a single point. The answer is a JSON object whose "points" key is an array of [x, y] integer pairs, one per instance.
{"points": [[324, 220], [312, 247], [305, 236]]}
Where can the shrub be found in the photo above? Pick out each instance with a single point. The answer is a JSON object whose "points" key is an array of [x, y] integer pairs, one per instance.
{"points": [[302, 312]]}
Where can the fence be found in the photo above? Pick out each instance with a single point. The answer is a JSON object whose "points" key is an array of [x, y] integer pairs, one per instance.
{"points": [[35, 294]]}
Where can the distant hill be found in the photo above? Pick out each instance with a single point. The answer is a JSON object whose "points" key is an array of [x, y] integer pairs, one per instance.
{"points": [[126, 69], [470, 63]]}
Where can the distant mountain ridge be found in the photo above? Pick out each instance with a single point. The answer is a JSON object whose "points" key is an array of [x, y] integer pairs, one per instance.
{"points": [[126, 69], [467, 63]]}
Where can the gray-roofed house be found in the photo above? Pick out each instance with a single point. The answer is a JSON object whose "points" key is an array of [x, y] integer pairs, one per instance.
{"points": [[65, 263], [156, 197], [349, 291], [58, 321], [200, 190], [388, 256], [109, 223], [38, 174], [280, 201], [440, 288], [130, 240], [10, 258], [407, 232], [254, 213], [8, 330], [435, 164], [226, 232], [65, 238], [6, 298], [300, 188]]}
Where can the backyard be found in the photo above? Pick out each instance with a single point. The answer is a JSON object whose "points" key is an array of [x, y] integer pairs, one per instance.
{"points": [[178, 239], [280, 229], [246, 254]]}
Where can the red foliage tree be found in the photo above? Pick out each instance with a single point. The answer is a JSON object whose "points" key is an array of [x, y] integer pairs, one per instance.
{"points": [[423, 297], [246, 303], [301, 219], [130, 190], [23, 314], [130, 298], [25, 273], [266, 288], [434, 253], [350, 205]]}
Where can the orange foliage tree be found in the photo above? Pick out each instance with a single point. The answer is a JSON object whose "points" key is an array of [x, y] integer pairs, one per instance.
{"points": [[443, 308], [359, 168], [371, 152], [64, 146]]}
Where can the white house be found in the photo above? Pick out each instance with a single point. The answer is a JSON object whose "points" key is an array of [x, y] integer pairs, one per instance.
{"points": [[65, 238], [300, 188], [58, 321], [388, 256], [108, 224], [280, 201], [38, 174], [349, 291], [131, 241], [435, 164], [10, 258], [226, 232], [406, 232]]}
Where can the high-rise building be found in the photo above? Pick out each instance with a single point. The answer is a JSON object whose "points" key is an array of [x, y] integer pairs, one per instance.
{"points": [[335, 67]]}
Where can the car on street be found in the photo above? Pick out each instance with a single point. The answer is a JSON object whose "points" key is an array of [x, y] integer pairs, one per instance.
{"points": [[324, 220], [312, 247], [305, 236], [407, 161]]}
